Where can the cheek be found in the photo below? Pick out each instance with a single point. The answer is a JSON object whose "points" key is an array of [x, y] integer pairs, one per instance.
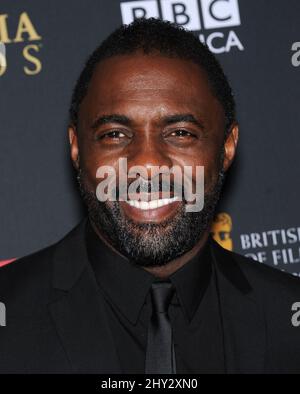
{"points": [[91, 159], [211, 168], [211, 171]]}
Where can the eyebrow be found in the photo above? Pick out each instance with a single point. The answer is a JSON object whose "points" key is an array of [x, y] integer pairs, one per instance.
{"points": [[113, 118], [124, 120], [189, 118]]}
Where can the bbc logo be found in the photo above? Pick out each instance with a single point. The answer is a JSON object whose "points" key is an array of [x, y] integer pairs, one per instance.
{"points": [[192, 14]]}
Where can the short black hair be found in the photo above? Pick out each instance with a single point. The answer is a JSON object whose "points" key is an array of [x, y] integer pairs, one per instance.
{"points": [[155, 35]]}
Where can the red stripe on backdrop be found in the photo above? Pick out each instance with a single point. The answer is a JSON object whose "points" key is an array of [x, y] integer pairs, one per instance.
{"points": [[5, 262]]}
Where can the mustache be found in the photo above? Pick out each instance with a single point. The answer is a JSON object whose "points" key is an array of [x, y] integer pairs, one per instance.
{"points": [[156, 187], [150, 187]]}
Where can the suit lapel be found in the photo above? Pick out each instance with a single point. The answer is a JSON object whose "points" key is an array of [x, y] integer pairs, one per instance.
{"points": [[80, 319], [244, 328], [79, 310]]}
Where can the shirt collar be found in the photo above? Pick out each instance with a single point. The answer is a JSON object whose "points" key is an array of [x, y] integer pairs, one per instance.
{"points": [[127, 285]]}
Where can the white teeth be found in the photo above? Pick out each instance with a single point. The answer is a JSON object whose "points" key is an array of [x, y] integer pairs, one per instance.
{"points": [[145, 205], [153, 204]]}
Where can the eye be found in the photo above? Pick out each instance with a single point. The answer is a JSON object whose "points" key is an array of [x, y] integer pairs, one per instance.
{"points": [[181, 133], [112, 135]]}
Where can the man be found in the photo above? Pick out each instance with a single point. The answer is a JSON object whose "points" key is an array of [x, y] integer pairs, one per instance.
{"points": [[139, 286]]}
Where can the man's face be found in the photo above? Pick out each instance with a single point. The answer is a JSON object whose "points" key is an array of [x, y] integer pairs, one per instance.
{"points": [[150, 95]]}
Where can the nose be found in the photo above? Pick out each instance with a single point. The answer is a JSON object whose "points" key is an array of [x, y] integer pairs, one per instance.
{"points": [[151, 154]]}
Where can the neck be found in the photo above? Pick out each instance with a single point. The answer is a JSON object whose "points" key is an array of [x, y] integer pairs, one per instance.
{"points": [[164, 271]]}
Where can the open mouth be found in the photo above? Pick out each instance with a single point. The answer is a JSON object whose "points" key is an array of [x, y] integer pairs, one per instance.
{"points": [[154, 204], [156, 210]]}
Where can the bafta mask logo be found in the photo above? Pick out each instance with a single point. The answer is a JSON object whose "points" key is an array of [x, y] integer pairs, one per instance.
{"points": [[221, 230]]}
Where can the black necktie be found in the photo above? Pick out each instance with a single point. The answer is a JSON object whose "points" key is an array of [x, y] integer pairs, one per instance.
{"points": [[160, 355]]}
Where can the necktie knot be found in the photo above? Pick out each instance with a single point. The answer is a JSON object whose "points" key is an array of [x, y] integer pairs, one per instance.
{"points": [[161, 294]]}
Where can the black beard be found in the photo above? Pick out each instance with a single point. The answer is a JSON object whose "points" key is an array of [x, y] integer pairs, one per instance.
{"points": [[150, 244]]}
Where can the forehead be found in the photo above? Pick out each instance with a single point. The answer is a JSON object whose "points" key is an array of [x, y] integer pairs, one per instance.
{"points": [[149, 84]]}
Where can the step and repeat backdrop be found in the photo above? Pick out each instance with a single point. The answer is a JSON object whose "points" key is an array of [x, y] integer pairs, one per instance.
{"points": [[43, 46]]}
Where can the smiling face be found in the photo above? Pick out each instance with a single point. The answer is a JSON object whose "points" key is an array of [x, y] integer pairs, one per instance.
{"points": [[155, 111]]}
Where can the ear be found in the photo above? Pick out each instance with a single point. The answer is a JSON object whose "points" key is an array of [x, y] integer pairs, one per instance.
{"points": [[230, 145], [74, 150]]}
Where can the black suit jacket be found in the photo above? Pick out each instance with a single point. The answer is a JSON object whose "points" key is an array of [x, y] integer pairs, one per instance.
{"points": [[56, 323]]}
